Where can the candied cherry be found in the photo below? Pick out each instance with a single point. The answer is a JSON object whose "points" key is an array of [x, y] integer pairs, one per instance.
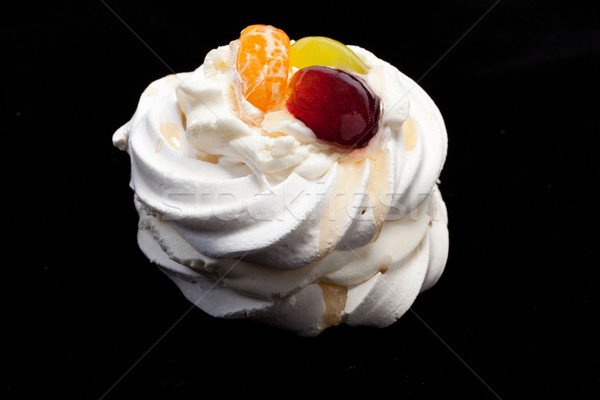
{"points": [[337, 106], [262, 63], [320, 50]]}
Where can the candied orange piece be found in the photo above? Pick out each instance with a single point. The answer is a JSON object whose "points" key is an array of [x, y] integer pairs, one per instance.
{"points": [[262, 64]]}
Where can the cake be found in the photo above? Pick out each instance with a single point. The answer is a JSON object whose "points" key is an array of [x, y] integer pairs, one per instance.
{"points": [[291, 182]]}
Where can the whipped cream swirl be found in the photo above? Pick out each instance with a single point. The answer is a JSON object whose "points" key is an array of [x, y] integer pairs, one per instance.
{"points": [[257, 203]]}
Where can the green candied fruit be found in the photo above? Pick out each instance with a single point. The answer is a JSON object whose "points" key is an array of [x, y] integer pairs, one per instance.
{"points": [[319, 50]]}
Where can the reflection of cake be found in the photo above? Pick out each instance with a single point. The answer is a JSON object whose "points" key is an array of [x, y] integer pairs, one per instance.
{"points": [[292, 186]]}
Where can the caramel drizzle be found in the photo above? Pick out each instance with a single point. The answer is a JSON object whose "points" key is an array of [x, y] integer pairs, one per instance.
{"points": [[334, 297]]}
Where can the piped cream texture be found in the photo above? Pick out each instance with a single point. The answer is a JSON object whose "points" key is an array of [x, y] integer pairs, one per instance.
{"points": [[253, 217]]}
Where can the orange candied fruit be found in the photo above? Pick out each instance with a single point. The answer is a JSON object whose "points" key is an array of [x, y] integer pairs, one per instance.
{"points": [[262, 64]]}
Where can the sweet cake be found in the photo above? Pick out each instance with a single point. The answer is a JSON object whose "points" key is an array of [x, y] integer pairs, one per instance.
{"points": [[291, 182]]}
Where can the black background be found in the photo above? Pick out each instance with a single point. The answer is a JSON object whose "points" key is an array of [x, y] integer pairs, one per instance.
{"points": [[84, 314]]}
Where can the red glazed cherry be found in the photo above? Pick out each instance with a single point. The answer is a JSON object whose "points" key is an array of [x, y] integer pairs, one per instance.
{"points": [[339, 107]]}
